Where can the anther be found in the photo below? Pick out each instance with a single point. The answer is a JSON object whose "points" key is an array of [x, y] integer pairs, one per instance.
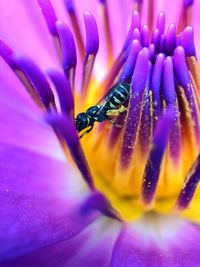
{"points": [[92, 46]]}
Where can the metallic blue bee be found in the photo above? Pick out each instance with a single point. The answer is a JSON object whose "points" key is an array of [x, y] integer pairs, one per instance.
{"points": [[111, 105]]}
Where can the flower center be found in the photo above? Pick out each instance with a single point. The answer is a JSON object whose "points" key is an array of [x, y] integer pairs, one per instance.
{"points": [[140, 145]]}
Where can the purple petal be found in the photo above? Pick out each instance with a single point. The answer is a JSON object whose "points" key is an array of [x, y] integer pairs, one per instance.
{"points": [[92, 247], [22, 122], [157, 241], [28, 27], [39, 202]]}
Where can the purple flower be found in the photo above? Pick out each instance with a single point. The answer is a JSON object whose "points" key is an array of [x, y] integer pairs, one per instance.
{"points": [[126, 194]]}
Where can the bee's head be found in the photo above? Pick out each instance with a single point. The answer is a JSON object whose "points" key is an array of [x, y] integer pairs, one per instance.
{"points": [[82, 121]]}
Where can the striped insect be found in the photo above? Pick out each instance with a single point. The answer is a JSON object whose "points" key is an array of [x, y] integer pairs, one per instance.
{"points": [[111, 105]]}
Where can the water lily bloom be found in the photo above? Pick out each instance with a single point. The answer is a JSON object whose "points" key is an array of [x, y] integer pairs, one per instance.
{"points": [[126, 193]]}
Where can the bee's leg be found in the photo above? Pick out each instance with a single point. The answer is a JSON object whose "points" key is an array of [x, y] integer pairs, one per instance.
{"points": [[116, 112], [86, 132]]}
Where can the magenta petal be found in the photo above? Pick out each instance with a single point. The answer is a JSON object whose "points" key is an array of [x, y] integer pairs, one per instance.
{"points": [[39, 199], [92, 247], [162, 241]]}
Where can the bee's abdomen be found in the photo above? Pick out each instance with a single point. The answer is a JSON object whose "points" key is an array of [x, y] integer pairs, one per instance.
{"points": [[118, 96]]}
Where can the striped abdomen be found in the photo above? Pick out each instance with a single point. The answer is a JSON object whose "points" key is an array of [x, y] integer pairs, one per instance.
{"points": [[117, 96]]}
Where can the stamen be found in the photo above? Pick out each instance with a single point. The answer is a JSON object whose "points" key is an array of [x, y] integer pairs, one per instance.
{"points": [[186, 40], [37, 79], [190, 186], [92, 46], [64, 126], [129, 66], [7, 54], [69, 4], [156, 87], [64, 92], [162, 45], [171, 39], [161, 22], [50, 18], [150, 15], [145, 132], [97, 201], [137, 5], [153, 165], [156, 39], [68, 50], [49, 15], [136, 34], [136, 20], [135, 107], [184, 81], [121, 59], [170, 98], [145, 36], [186, 15], [107, 30]]}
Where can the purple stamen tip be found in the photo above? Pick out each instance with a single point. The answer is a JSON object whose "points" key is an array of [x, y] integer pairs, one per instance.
{"points": [[64, 91], [136, 20], [131, 60], [181, 68], [145, 36], [136, 34], [37, 78], [65, 127], [68, 48], [6, 53], [156, 38], [49, 15], [92, 36], [186, 40], [190, 185], [171, 39], [152, 168], [69, 5], [97, 201], [168, 83], [161, 22], [188, 3]]}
